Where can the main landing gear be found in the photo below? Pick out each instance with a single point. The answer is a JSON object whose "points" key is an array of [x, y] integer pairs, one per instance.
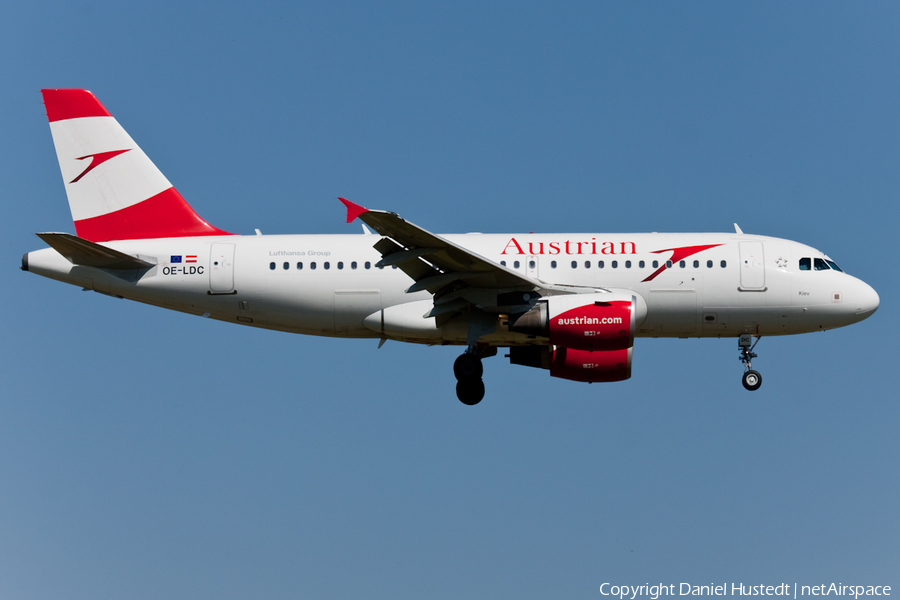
{"points": [[468, 370], [751, 379]]}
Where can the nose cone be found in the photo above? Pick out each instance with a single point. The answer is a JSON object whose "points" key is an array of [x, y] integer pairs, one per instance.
{"points": [[866, 301]]}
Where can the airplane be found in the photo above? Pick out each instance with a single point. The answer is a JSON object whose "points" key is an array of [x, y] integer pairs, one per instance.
{"points": [[572, 304]]}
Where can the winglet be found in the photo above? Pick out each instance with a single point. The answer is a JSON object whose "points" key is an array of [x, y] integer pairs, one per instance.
{"points": [[353, 210]]}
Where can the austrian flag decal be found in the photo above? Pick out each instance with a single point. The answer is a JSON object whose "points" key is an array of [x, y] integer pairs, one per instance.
{"points": [[188, 258]]}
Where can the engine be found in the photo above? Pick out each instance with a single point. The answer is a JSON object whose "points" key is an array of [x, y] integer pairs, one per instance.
{"points": [[604, 321], [577, 365], [590, 335]]}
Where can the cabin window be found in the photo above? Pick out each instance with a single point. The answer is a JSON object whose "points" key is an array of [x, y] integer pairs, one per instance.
{"points": [[668, 264], [627, 264], [600, 264], [723, 264], [286, 266], [503, 262], [587, 264], [353, 265], [574, 265], [326, 265], [655, 264], [299, 265], [709, 264], [696, 264], [368, 265], [641, 264], [681, 264], [340, 265], [312, 266], [615, 264], [272, 266], [515, 264], [531, 264], [805, 264], [819, 265], [552, 264]]}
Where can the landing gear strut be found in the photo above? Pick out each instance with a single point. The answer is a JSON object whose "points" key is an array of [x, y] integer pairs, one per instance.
{"points": [[751, 379], [468, 370]]}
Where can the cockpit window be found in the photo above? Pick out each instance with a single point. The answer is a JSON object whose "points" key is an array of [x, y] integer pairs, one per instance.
{"points": [[834, 266], [805, 264], [820, 265]]}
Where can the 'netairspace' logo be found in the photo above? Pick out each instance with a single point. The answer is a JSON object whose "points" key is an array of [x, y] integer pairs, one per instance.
{"points": [[739, 589]]}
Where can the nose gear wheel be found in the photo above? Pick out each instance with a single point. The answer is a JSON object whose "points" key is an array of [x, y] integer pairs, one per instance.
{"points": [[751, 379]]}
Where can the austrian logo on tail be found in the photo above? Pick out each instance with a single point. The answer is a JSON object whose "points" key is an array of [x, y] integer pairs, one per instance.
{"points": [[96, 160]]}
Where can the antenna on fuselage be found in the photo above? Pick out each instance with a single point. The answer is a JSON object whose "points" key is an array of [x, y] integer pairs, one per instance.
{"points": [[738, 229]]}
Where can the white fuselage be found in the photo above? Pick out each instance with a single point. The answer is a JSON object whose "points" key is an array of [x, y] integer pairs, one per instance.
{"points": [[328, 285]]}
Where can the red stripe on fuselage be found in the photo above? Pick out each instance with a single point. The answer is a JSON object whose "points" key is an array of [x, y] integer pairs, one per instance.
{"points": [[162, 216], [72, 104]]}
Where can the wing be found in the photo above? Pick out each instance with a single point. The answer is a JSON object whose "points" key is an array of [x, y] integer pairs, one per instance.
{"points": [[455, 275]]}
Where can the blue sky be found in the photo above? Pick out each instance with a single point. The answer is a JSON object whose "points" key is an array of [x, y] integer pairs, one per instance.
{"points": [[149, 454]]}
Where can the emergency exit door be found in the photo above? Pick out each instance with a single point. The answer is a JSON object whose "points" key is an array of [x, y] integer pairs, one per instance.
{"points": [[531, 267]]}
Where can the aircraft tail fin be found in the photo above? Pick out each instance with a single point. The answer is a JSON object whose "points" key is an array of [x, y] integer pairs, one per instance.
{"points": [[115, 191]]}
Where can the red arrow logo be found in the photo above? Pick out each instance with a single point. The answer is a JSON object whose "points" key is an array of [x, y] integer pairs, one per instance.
{"points": [[678, 254], [97, 160]]}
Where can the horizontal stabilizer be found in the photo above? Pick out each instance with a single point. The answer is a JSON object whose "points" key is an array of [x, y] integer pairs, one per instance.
{"points": [[81, 252]]}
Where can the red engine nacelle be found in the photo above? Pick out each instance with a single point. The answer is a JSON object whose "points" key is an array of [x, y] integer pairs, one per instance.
{"points": [[581, 321], [577, 365], [582, 365]]}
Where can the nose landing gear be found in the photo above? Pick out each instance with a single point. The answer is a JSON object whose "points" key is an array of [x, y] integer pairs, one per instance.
{"points": [[468, 370], [751, 379]]}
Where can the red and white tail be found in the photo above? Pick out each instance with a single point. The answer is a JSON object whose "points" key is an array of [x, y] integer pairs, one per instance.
{"points": [[115, 192]]}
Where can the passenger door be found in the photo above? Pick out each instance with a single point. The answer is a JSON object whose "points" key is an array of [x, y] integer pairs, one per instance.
{"points": [[753, 267], [221, 269]]}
